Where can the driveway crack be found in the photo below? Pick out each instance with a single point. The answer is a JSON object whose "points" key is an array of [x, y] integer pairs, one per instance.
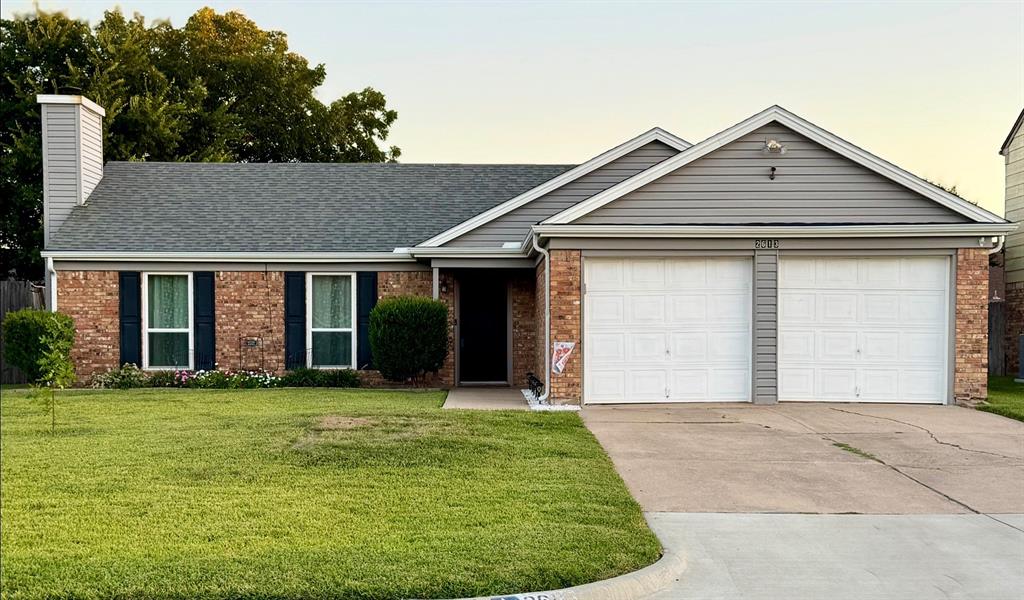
{"points": [[928, 431]]}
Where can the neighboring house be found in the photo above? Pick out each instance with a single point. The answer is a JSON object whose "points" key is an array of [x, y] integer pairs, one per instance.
{"points": [[772, 261], [1013, 150]]}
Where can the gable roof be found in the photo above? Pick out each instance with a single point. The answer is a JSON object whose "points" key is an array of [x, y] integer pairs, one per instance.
{"points": [[655, 134], [1013, 133], [146, 207], [813, 132]]}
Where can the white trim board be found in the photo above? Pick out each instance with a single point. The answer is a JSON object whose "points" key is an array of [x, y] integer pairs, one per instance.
{"points": [[807, 129], [983, 230], [657, 134]]}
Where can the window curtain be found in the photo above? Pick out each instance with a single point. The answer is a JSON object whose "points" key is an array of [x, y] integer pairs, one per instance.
{"points": [[332, 302], [168, 302]]}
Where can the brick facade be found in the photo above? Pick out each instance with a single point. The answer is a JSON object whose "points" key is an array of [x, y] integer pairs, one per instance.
{"points": [[1014, 325], [91, 298], [970, 379], [524, 328], [566, 323], [249, 304]]}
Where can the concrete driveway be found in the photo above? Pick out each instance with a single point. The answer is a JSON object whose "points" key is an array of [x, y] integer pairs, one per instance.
{"points": [[815, 458], [839, 501]]}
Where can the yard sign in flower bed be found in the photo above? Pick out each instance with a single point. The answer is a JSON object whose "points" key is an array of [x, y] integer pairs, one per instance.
{"points": [[304, 493]]}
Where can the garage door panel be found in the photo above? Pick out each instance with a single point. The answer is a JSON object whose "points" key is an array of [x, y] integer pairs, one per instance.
{"points": [[923, 307], [836, 345], [689, 308], [647, 347], [922, 347], [797, 306], [880, 327], [689, 384], [880, 346], [689, 346], [729, 385], [879, 384], [645, 310], [796, 346], [837, 307], [607, 385], [797, 383], [881, 308], [606, 275], [608, 348], [606, 310], [648, 385], [729, 308], [646, 274], [725, 346], [667, 330]]}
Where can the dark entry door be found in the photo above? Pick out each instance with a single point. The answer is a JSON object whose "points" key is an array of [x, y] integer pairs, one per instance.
{"points": [[483, 329]]}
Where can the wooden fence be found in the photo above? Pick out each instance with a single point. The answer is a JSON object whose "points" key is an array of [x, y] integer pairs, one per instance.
{"points": [[15, 295], [997, 338]]}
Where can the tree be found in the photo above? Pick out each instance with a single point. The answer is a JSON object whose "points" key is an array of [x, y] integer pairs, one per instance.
{"points": [[218, 88]]}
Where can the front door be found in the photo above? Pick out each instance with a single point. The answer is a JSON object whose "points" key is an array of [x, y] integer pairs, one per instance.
{"points": [[483, 329]]}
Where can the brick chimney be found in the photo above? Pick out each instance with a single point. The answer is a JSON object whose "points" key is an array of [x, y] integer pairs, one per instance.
{"points": [[72, 155]]}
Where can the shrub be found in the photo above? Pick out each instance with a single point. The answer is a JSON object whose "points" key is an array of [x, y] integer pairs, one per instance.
{"points": [[125, 377], [159, 379], [304, 377], [29, 334], [408, 336]]}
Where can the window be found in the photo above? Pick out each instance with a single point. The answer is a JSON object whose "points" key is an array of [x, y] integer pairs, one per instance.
{"points": [[330, 339], [166, 321]]}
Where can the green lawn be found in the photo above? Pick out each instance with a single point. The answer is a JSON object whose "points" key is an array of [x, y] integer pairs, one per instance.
{"points": [[1005, 398], [301, 494]]}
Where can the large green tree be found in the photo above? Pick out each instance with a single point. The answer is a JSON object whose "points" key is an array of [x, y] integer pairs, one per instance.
{"points": [[217, 89]]}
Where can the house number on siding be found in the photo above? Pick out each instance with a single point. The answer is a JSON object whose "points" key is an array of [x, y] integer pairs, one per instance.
{"points": [[766, 244]]}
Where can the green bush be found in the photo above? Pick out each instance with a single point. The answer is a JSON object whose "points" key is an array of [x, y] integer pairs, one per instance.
{"points": [[408, 336], [304, 377], [30, 334]]}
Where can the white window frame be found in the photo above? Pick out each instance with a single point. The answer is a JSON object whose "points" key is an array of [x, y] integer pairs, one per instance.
{"points": [[146, 330], [309, 321]]}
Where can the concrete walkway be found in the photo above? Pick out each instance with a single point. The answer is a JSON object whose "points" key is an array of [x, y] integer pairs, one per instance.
{"points": [[485, 398], [844, 557]]}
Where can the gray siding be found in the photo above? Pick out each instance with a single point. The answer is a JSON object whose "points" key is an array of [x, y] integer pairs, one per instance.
{"points": [[1015, 207], [60, 163], [92, 151], [512, 227], [765, 359], [731, 186]]}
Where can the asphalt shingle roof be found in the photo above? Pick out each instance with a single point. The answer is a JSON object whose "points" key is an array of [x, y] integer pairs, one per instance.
{"points": [[285, 207]]}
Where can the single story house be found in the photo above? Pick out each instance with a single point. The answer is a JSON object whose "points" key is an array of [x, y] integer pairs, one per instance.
{"points": [[773, 261]]}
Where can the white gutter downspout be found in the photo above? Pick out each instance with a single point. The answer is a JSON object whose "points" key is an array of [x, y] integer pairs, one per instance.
{"points": [[547, 320], [999, 247], [51, 280]]}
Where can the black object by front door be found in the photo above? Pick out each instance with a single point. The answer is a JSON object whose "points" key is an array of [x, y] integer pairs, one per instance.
{"points": [[483, 329]]}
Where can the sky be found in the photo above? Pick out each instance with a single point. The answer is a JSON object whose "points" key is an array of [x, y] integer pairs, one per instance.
{"points": [[933, 87]]}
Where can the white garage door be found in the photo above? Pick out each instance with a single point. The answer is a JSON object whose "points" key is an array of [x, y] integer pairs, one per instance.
{"points": [[863, 329], [667, 330]]}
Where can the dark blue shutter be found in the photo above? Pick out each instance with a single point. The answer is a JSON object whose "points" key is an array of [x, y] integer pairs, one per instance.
{"points": [[203, 319], [294, 320], [130, 316], [366, 299]]}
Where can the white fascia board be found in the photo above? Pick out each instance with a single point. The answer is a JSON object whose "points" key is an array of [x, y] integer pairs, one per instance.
{"points": [[466, 252], [799, 125], [71, 99], [656, 134], [771, 231], [254, 257]]}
